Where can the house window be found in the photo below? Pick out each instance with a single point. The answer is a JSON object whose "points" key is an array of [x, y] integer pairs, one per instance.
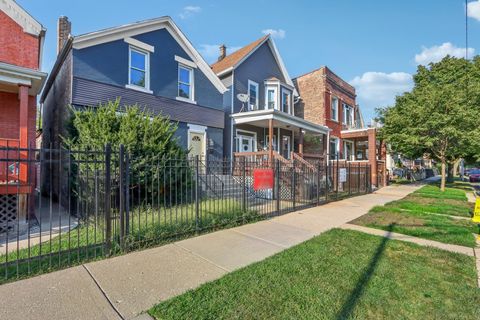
{"points": [[138, 74], [253, 95], [286, 101], [334, 109], [185, 82], [347, 115], [271, 97], [334, 148], [348, 150]]}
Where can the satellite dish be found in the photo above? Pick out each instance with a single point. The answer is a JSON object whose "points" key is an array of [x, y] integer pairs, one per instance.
{"points": [[243, 97]]}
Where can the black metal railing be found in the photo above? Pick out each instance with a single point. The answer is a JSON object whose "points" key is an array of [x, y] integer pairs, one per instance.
{"points": [[65, 207]]}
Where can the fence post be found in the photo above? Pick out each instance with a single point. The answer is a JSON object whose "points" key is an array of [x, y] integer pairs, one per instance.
{"points": [[358, 178], [197, 178], [277, 185], [327, 176], [108, 213], [349, 179], [293, 184], [318, 183], [121, 161], [244, 185], [127, 194], [337, 178]]}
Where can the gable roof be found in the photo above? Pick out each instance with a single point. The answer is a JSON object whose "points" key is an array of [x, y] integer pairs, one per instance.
{"points": [[21, 17], [132, 29], [236, 58]]}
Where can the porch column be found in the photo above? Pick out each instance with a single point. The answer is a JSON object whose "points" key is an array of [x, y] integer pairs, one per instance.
{"points": [[23, 134], [270, 140], [372, 154], [300, 143]]}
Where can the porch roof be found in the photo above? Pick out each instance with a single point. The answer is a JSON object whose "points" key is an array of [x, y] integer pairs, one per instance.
{"points": [[355, 133], [281, 119], [12, 76]]}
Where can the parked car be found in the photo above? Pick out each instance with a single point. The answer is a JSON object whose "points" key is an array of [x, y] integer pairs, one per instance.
{"points": [[474, 175]]}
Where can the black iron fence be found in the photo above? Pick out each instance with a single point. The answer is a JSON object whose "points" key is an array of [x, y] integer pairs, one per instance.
{"points": [[63, 207]]}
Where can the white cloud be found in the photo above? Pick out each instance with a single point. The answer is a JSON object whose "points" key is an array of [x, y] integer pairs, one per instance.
{"points": [[210, 52], [275, 33], [378, 89], [437, 53], [473, 9], [189, 11]]}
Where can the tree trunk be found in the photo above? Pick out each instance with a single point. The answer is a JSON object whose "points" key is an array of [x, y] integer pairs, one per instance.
{"points": [[442, 182], [450, 175]]}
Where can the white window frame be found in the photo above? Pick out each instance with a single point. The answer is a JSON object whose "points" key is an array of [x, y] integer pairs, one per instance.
{"points": [[275, 97], [345, 143], [289, 111], [252, 134], [254, 84], [147, 69], [336, 108], [345, 107], [191, 99]]}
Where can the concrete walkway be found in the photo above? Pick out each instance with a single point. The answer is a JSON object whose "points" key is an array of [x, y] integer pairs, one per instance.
{"points": [[124, 286], [402, 237]]}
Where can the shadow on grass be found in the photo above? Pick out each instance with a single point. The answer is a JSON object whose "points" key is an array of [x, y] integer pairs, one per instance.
{"points": [[350, 304]]}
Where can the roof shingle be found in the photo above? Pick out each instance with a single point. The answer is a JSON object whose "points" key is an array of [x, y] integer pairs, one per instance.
{"points": [[233, 58]]}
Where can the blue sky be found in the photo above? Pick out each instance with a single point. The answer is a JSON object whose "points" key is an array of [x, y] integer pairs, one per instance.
{"points": [[376, 45]]}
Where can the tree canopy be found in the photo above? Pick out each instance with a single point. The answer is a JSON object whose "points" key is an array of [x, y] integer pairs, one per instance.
{"points": [[440, 116]]}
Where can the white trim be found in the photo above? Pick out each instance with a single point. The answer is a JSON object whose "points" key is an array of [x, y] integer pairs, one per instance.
{"points": [[191, 84], [19, 75], [185, 100], [290, 94], [186, 62], [238, 133], [196, 128], [204, 133], [21, 17], [139, 44], [253, 83], [259, 115], [15, 80], [275, 102], [336, 109], [129, 30], [147, 70], [337, 146]]}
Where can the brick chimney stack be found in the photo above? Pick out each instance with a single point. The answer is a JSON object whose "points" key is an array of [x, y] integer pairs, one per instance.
{"points": [[64, 29], [223, 52]]}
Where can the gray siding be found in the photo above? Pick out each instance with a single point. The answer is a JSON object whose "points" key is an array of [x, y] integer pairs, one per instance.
{"points": [[91, 93], [258, 67], [108, 63]]}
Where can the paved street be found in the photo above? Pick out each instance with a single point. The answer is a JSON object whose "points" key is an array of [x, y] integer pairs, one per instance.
{"points": [[124, 286]]}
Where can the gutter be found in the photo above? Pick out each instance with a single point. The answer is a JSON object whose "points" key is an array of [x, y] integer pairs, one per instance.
{"points": [[56, 67]]}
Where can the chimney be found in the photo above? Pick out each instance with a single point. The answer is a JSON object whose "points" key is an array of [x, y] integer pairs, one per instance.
{"points": [[223, 52], [64, 28]]}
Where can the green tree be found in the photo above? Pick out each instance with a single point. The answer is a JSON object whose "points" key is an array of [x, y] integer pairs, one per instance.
{"points": [[439, 117], [153, 150]]}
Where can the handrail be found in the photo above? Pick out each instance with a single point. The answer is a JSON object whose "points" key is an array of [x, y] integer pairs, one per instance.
{"points": [[280, 158], [297, 157], [211, 174]]}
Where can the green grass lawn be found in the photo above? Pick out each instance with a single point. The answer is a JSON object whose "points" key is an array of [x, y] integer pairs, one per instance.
{"points": [[425, 214], [340, 274], [148, 226]]}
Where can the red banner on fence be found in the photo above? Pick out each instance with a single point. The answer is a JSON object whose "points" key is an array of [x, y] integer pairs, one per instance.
{"points": [[262, 179]]}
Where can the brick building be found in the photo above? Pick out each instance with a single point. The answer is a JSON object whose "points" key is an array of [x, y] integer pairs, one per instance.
{"points": [[328, 100], [21, 42]]}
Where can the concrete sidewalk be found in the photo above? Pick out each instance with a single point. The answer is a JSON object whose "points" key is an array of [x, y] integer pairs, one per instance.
{"points": [[124, 286]]}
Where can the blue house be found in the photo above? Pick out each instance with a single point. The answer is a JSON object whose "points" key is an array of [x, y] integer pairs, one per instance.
{"points": [[260, 120], [150, 63]]}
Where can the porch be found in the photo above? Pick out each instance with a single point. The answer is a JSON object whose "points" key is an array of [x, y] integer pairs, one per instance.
{"points": [[362, 145], [253, 129]]}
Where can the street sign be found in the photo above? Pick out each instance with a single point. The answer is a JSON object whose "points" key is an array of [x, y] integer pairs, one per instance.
{"points": [[262, 179], [476, 212]]}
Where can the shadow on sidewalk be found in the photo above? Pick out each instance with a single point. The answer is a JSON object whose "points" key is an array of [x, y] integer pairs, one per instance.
{"points": [[350, 304]]}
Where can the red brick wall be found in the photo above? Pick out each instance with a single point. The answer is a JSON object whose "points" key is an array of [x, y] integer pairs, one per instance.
{"points": [[16, 46], [316, 90], [9, 117]]}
